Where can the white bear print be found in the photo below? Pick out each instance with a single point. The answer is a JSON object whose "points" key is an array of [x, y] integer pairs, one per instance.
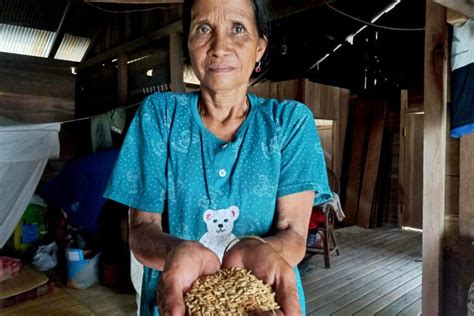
{"points": [[219, 229]]}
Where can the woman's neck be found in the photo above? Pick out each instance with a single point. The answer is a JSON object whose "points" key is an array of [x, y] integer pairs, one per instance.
{"points": [[224, 106]]}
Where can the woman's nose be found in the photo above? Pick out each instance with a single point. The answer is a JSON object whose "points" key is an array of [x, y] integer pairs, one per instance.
{"points": [[220, 44]]}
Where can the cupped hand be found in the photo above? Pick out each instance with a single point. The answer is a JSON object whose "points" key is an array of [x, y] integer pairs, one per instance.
{"points": [[270, 267], [184, 264]]}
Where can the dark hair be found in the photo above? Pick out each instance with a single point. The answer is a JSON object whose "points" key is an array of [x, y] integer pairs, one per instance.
{"points": [[261, 9]]}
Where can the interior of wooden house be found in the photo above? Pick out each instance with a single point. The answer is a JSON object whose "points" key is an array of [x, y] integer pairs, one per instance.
{"points": [[396, 239]]}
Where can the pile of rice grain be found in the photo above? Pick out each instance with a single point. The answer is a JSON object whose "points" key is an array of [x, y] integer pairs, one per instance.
{"points": [[229, 292]]}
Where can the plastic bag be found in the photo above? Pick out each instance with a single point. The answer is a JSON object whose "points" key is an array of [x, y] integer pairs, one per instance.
{"points": [[46, 257]]}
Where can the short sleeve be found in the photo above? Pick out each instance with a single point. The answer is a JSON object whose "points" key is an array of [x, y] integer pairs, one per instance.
{"points": [[139, 176], [302, 160]]}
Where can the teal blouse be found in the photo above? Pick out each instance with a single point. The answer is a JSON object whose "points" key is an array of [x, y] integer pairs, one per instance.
{"points": [[214, 190]]}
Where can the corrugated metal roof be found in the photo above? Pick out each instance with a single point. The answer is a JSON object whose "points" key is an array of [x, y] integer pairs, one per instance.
{"points": [[72, 48], [40, 14], [25, 40]]}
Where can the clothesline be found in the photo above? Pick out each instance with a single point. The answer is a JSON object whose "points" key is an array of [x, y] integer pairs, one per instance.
{"points": [[157, 88], [89, 117]]}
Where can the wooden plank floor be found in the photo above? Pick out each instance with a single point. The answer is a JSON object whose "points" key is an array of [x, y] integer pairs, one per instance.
{"points": [[377, 273], [104, 301]]}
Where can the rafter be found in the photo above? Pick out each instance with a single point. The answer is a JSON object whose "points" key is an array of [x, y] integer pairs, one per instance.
{"points": [[59, 34]]}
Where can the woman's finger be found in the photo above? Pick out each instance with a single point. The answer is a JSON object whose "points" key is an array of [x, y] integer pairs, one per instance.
{"points": [[170, 300], [287, 297]]}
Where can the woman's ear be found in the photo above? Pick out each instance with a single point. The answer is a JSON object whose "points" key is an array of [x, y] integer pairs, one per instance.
{"points": [[261, 47]]}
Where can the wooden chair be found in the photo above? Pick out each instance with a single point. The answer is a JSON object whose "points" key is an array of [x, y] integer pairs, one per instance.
{"points": [[328, 237]]}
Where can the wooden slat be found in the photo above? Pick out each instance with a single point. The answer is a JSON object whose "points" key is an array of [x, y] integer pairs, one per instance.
{"points": [[398, 251], [394, 294], [466, 188], [352, 250], [56, 303], [323, 100], [176, 63], [134, 44], [466, 219], [327, 292], [452, 156], [341, 129], [451, 201], [122, 80], [371, 170], [413, 309], [401, 166], [105, 300], [362, 257], [358, 134], [378, 289], [413, 168], [350, 298], [403, 302], [434, 152]]}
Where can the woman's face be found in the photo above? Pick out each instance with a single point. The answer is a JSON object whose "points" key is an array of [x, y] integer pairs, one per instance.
{"points": [[223, 43]]}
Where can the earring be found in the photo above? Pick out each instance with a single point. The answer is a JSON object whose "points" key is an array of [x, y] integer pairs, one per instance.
{"points": [[259, 67]]}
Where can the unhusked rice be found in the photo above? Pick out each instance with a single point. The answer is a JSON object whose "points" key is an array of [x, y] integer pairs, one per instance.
{"points": [[229, 292]]}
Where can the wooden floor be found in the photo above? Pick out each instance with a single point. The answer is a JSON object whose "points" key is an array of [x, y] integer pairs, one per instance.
{"points": [[377, 273], [104, 301]]}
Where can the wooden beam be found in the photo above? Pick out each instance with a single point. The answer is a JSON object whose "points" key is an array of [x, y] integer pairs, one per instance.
{"points": [[176, 63], [134, 44], [136, 1], [7, 59], [466, 187], [59, 34], [434, 155], [461, 6], [122, 88]]}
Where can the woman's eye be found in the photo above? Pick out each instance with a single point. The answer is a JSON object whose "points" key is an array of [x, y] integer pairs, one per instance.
{"points": [[239, 28], [204, 29]]}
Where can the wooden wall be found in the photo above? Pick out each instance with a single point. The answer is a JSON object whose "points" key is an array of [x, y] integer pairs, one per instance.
{"points": [[326, 102], [36, 90]]}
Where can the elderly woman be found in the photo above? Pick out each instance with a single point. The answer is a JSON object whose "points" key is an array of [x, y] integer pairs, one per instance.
{"points": [[201, 169]]}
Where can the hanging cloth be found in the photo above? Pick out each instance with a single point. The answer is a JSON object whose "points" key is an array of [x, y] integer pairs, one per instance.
{"points": [[104, 126], [24, 152], [462, 79]]}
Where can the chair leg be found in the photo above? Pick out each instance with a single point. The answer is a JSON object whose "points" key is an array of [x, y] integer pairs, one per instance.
{"points": [[327, 251], [334, 242]]}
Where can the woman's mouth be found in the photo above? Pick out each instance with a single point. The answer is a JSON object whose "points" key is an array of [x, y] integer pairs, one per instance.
{"points": [[221, 68]]}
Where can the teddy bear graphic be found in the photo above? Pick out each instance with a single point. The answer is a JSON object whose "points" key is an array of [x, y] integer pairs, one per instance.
{"points": [[219, 229]]}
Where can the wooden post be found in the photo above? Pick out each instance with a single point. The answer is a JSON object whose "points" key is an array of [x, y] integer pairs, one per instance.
{"points": [[466, 187], [122, 88], [434, 156], [466, 219], [401, 165], [176, 63]]}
